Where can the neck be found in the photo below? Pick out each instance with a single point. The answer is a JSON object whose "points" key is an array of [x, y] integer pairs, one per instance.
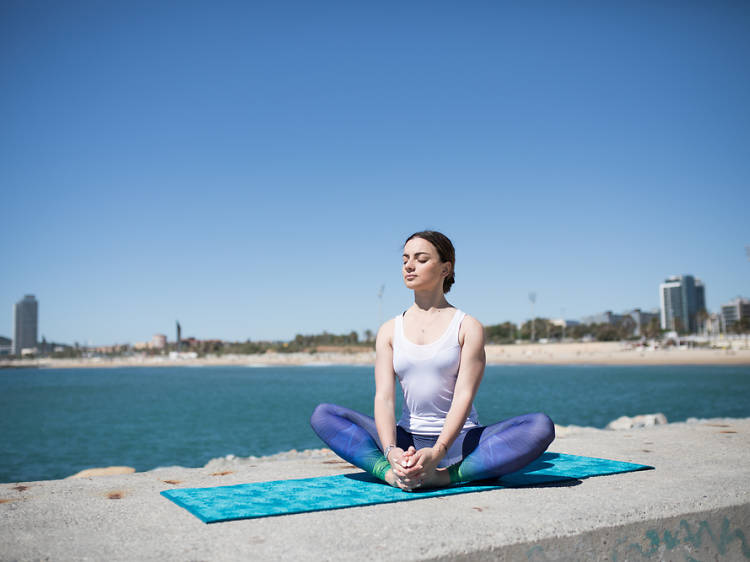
{"points": [[426, 300]]}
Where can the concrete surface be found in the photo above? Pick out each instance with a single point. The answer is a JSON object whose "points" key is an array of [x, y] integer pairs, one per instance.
{"points": [[693, 506]]}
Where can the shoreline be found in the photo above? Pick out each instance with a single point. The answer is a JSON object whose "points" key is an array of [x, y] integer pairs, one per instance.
{"points": [[233, 462], [594, 353]]}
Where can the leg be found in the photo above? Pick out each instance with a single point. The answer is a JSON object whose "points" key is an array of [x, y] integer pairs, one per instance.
{"points": [[505, 447], [352, 436]]}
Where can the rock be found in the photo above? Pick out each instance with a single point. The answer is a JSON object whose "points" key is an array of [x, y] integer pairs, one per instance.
{"points": [[643, 420], [566, 430], [106, 471]]}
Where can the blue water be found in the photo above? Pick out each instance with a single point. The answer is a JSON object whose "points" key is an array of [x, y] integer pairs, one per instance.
{"points": [[54, 423]]}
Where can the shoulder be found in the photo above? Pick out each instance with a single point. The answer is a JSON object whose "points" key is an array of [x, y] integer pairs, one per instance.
{"points": [[385, 333], [471, 329]]}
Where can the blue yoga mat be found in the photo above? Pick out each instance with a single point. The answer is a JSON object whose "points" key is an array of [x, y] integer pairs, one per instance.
{"points": [[280, 497]]}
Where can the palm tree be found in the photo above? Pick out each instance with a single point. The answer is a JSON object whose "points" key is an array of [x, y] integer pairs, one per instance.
{"points": [[626, 327], [652, 329], [700, 320]]}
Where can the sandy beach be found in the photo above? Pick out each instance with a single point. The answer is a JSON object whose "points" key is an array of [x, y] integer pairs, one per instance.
{"points": [[695, 505], [594, 353]]}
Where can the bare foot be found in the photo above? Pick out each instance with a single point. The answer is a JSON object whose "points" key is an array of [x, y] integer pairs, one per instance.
{"points": [[438, 479], [395, 482]]}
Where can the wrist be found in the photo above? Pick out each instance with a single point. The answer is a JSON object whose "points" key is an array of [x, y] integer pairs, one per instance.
{"points": [[388, 450], [440, 448]]}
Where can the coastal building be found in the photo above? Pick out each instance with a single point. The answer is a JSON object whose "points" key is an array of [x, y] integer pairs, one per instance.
{"points": [[713, 326], [159, 341], [25, 324], [6, 346], [682, 297], [641, 319], [563, 323], [606, 317], [734, 311]]}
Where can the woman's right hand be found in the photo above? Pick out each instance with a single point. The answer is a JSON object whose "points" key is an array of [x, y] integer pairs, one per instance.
{"points": [[405, 468]]}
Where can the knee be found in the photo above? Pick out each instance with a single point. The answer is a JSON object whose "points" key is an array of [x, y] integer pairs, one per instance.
{"points": [[544, 427], [321, 413]]}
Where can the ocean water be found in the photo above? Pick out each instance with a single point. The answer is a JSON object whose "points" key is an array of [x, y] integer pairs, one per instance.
{"points": [[54, 423]]}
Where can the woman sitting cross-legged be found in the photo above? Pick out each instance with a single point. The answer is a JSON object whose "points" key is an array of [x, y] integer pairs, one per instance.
{"points": [[437, 353]]}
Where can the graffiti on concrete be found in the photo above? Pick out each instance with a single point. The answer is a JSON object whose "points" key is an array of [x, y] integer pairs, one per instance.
{"points": [[699, 536], [685, 540]]}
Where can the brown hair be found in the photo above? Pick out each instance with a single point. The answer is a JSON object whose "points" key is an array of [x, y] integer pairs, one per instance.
{"points": [[445, 250]]}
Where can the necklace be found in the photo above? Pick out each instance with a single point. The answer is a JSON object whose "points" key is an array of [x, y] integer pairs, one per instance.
{"points": [[433, 317]]}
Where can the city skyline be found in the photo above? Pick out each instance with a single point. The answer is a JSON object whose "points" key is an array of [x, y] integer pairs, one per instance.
{"points": [[687, 305], [254, 169]]}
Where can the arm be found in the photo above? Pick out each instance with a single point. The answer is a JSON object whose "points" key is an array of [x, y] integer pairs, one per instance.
{"points": [[470, 374], [385, 390], [385, 399]]}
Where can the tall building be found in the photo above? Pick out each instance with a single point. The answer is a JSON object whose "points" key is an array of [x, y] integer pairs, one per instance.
{"points": [[681, 297], [734, 311], [25, 324]]}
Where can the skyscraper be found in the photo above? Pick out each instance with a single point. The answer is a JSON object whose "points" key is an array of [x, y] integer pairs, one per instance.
{"points": [[681, 297], [25, 324]]}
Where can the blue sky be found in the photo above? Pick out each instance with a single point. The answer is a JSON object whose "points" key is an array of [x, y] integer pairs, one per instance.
{"points": [[253, 169]]}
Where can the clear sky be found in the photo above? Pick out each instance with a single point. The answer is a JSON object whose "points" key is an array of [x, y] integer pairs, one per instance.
{"points": [[252, 169]]}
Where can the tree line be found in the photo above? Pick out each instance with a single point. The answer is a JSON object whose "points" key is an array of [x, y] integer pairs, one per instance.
{"points": [[504, 333], [624, 329]]}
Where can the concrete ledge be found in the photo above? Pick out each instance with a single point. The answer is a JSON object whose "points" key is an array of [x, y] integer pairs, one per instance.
{"points": [[693, 506], [719, 534]]}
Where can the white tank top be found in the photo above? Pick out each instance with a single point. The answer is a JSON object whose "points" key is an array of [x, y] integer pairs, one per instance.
{"points": [[428, 376]]}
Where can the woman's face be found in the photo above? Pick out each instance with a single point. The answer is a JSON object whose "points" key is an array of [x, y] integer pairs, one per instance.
{"points": [[422, 268]]}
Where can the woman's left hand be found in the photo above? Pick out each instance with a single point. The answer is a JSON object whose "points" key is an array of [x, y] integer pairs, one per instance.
{"points": [[429, 458]]}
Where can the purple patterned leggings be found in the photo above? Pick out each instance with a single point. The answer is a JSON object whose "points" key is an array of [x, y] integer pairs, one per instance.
{"points": [[478, 453]]}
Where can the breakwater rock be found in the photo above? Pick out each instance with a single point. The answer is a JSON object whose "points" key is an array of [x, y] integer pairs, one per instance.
{"points": [[643, 420], [103, 471]]}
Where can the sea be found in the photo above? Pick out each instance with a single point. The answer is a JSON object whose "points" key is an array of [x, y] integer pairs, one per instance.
{"points": [[56, 422]]}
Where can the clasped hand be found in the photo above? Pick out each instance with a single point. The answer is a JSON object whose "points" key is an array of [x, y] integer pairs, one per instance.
{"points": [[414, 467]]}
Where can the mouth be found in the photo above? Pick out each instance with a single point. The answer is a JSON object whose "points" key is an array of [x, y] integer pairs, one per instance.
{"points": [[410, 277]]}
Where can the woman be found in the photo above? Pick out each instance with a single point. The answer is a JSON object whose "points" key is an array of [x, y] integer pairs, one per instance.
{"points": [[437, 353]]}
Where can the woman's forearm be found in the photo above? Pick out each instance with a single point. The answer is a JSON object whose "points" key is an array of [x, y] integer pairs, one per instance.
{"points": [[455, 419], [385, 422]]}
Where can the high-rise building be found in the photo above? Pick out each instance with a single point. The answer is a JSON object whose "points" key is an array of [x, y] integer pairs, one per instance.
{"points": [[734, 311], [25, 324], [681, 297]]}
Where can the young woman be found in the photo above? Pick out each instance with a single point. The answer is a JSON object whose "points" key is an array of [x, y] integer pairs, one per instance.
{"points": [[437, 353]]}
